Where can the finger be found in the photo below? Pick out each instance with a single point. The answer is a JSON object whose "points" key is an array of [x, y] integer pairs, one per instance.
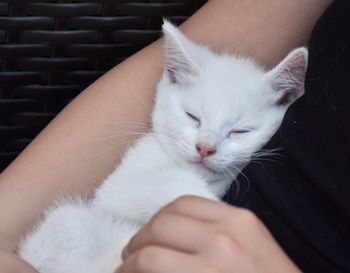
{"points": [[238, 222], [159, 260], [200, 208], [173, 231]]}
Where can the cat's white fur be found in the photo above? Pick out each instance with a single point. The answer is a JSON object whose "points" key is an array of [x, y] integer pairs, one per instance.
{"points": [[222, 102]]}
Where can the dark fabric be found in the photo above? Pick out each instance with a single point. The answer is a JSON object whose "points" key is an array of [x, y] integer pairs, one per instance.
{"points": [[303, 195], [51, 50]]}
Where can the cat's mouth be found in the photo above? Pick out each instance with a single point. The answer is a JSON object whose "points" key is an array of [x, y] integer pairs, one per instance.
{"points": [[202, 163]]}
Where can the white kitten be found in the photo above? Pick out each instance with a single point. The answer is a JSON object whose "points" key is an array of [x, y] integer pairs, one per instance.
{"points": [[212, 113]]}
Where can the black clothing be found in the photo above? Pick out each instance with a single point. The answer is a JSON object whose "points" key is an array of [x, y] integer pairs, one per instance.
{"points": [[303, 196]]}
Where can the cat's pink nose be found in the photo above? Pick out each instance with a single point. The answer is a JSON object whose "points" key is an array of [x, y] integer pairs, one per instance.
{"points": [[204, 150]]}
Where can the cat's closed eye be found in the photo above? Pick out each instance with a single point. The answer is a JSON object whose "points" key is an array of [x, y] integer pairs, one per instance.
{"points": [[193, 117], [238, 132]]}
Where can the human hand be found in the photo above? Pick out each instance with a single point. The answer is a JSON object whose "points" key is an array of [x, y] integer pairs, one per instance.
{"points": [[11, 263], [193, 234]]}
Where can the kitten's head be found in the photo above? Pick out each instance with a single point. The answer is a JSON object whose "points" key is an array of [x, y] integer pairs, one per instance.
{"points": [[216, 110]]}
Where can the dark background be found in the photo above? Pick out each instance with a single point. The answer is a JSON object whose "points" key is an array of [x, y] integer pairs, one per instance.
{"points": [[51, 50]]}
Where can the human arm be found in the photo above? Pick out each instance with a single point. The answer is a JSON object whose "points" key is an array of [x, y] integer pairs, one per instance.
{"points": [[66, 157]]}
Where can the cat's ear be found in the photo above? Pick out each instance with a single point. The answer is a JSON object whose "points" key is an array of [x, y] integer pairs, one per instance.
{"points": [[287, 78], [179, 55]]}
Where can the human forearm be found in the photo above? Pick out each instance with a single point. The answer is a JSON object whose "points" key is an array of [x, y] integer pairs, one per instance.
{"points": [[265, 29]]}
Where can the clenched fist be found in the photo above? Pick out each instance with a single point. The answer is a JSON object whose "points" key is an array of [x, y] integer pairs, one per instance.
{"points": [[193, 234]]}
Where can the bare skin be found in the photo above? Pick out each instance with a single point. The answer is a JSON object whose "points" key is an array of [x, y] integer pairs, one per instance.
{"points": [[215, 237], [77, 149]]}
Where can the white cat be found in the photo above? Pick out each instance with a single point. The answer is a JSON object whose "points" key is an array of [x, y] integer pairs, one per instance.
{"points": [[212, 113]]}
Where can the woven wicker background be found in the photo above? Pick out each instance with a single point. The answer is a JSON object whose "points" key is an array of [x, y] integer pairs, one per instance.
{"points": [[51, 50]]}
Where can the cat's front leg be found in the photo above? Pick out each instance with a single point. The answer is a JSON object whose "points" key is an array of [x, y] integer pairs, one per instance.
{"points": [[140, 195]]}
